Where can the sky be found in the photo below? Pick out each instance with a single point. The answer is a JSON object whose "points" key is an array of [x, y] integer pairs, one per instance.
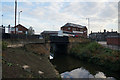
{"points": [[44, 16]]}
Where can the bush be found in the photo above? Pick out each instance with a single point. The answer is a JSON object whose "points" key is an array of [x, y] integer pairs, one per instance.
{"points": [[4, 45], [97, 54]]}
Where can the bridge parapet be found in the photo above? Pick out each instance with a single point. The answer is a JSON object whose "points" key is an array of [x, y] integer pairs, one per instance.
{"points": [[13, 39], [59, 39], [66, 39], [78, 39]]}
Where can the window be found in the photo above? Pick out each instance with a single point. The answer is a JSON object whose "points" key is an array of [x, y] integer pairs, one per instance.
{"points": [[16, 29], [20, 31], [74, 29], [69, 28], [12, 29]]}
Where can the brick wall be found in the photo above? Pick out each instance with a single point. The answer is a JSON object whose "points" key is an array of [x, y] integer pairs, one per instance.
{"points": [[113, 41], [71, 29]]}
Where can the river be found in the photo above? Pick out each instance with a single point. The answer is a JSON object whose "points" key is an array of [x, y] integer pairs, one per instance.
{"points": [[70, 67]]}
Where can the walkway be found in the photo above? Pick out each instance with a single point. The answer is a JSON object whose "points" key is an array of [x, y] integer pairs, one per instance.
{"points": [[104, 43], [15, 45]]}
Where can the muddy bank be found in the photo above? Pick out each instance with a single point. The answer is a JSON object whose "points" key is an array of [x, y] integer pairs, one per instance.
{"points": [[30, 61]]}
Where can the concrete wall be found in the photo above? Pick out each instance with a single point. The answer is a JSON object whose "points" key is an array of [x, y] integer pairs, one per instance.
{"points": [[23, 41], [42, 49]]}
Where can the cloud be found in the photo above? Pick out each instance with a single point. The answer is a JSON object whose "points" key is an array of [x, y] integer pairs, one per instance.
{"points": [[53, 15], [109, 11], [7, 8]]}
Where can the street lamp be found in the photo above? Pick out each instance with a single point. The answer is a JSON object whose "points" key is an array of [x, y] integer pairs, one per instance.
{"points": [[19, 17], [2, 19]]}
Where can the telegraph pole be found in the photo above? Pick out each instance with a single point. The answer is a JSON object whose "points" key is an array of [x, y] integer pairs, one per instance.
{"points": [[15, 14]]}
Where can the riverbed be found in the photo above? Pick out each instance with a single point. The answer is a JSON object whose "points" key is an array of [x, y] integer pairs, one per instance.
{"points": [[70, 67]]}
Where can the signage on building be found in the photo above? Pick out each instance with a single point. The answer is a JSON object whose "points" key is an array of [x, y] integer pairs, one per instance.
{"points": [[77, 32]]}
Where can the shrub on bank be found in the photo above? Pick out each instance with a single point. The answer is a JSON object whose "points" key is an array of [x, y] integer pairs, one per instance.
{"points": [[4, 45], [97, 54]]}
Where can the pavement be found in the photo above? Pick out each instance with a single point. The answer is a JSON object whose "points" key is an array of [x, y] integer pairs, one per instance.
{"points": [[15, 45], [114, 47]]}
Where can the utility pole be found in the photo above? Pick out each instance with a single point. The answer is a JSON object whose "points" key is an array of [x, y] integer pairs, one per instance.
{"points": [[88, 25], [15, 14]]}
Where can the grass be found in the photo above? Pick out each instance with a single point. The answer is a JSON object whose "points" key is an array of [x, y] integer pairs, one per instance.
{"points": [[97, 54], [4, 45], [13, 59]]}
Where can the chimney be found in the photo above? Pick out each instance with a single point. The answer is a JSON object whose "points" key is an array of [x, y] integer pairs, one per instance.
{"points": [[104, 30], [9, 28], [111, 30]]}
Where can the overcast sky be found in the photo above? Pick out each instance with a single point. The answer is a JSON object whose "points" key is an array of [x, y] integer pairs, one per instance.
{"points": [[53, 15]]}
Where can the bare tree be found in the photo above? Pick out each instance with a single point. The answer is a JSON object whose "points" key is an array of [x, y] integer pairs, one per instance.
{"points": [[31, 31]]}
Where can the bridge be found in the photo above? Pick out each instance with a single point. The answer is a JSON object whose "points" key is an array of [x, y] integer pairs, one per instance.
{"points": [[66, 39], [61, 44], [55, 44], [17, 38]]}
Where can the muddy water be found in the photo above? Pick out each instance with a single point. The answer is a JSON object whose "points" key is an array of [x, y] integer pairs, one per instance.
{"points": [[70, 67]]}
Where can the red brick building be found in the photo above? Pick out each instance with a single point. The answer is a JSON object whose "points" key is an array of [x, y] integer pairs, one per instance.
{"points": [[20, 29], [113, 40], [76, 29]]}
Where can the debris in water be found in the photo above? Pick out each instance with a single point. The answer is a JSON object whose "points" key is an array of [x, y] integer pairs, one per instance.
{"points": [[51, 57], [40, 72], [25, 66]]}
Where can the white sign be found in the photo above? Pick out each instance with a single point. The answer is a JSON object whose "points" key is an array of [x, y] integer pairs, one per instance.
{"points": [[77, 32]]}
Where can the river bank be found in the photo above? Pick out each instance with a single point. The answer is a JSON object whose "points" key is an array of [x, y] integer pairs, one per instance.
{"points": [[95, 53], [30, 61]]}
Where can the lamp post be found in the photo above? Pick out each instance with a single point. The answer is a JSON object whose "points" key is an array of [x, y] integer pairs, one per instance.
{"points": [[2, 19], [19, 17]]}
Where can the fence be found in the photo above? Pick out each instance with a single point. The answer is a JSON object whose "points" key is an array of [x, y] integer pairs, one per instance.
{"points": [[59, 39], [19, 36]]}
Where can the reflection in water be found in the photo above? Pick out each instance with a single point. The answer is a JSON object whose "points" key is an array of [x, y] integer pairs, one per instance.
{"points": [[83, 73], [51, 56], [70, 67], [77, 73]]}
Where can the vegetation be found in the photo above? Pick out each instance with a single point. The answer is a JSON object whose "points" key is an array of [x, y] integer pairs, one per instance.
{"points": [[31, 31], [14, 60], [4, 45], [97, 54]]}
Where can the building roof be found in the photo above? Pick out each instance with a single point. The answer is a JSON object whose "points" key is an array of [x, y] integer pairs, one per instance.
{"points": [[115, 32], [48, 32], [19, 25], [73, 25], [114, 36]]}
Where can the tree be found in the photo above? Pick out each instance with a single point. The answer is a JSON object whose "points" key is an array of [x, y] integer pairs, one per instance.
{"points": [[31, 31]]}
